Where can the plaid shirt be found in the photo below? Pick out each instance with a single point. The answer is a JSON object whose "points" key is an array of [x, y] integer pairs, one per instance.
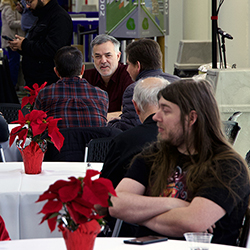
{"points": [[78, 103]]}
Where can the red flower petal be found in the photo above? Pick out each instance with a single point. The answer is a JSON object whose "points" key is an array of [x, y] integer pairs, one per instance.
{"points": [[51, 207]]}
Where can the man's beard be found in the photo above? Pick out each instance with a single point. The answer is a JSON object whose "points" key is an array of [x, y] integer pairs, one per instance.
{"points": [[39, 5]]}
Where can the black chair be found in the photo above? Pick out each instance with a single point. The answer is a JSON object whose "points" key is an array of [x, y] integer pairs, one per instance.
{"points": [[97, 149], [244, 236], [75, 140], [231, 130], [10, 111]]}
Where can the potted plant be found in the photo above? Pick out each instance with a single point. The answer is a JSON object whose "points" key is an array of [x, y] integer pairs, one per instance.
{"points": [[72, 204]]}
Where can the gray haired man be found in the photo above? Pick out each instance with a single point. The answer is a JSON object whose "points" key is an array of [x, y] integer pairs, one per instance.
{"points": [[109, 74]]}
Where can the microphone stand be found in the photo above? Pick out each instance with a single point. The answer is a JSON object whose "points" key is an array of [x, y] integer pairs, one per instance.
{"points": [[223, 45]]}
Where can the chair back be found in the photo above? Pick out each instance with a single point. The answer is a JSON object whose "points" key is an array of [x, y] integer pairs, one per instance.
{"points": [[97, 149], [75, 140], [244, 238], [10, 111], [231, 130]]}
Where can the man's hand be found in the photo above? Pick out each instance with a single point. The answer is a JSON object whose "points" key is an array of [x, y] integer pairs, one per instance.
{"points": [[19, 8], [102, 211], [17, 43]]}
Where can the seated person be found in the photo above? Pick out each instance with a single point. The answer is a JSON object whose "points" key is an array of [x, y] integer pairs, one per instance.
{"points": [[109, 74], [9, 153], [144, 59], [191, 179], [72, 98], [129, 143]]}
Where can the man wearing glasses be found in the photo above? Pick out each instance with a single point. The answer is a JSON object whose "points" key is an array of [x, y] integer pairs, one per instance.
{"points": [[53, 30]]}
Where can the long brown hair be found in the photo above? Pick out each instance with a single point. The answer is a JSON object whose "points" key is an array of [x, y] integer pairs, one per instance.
{"points": [[209, 141]]}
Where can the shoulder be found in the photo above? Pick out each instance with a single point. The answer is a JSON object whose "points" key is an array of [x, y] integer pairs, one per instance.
{"points": [[130, 89], [94, 89]]}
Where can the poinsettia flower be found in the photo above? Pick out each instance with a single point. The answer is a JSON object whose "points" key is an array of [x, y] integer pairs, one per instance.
{"points": [[37, 122], [32, 94], [75, 200]]}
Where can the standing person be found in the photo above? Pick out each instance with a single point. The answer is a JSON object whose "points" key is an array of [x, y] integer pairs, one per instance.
{"points": [[109, 74], [72, 98], [28, 19], [52, 31], [191, 179], [144, 59], [11, 25]]}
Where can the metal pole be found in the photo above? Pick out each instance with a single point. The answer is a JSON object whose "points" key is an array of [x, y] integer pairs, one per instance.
{"points": [[214, 34]]}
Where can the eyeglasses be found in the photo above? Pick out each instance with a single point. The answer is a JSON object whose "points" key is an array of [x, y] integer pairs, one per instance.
{"points": [[29, 2]]}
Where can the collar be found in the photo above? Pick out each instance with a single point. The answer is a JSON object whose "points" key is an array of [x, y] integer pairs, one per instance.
{"points": [[145, 73], [149, 119], [114, 78]]}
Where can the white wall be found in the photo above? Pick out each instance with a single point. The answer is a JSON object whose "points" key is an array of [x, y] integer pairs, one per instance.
{"points": [[235, 19], [175, 34]]}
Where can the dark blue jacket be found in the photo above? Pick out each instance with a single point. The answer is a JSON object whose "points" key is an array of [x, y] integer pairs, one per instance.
{"points": [[129, 118]]}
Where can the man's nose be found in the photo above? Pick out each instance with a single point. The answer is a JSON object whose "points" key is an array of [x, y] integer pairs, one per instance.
{"points": [[103, 59]]}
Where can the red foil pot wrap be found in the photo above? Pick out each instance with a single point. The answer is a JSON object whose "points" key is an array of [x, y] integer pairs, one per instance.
{"points": [[83, 238], [32, 158]]}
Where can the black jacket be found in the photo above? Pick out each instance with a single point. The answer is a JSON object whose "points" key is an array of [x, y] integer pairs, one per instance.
{"points": [[125, 146], [53, 30]]}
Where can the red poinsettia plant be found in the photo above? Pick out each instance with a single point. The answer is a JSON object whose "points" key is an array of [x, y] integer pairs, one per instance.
{"points": [[72, 203], [31, 94], [34, 126]]}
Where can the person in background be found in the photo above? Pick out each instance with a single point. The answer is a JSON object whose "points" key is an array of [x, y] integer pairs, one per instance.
{"points": [[53, 30], [72, 98], [129, 143], [28, 19], [109, 74], [144, 59], [11, 25], [191, 179], [7, 153]]}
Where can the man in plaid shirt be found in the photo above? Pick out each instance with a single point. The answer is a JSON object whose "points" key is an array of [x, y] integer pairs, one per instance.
{"points": [[72, 98]]}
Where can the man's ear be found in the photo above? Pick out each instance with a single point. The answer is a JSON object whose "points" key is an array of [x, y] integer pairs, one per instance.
{"points": [[118, 56], [192, 117], [138, 66], [136, 107], [57, 72]]}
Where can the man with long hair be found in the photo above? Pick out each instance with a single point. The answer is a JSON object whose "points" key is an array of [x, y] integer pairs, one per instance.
{"points": [[191, 179]]}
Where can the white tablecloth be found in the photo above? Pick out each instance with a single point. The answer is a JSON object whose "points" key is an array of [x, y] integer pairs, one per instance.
{"points": [[19, 191], [103, 244]]}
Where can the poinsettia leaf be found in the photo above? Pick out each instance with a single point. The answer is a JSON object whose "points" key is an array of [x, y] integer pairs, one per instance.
{"points": [[70, 192], [51, 207], [106, 184], [47, 196], [57, 185], [81, 209], [52, 223]]}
